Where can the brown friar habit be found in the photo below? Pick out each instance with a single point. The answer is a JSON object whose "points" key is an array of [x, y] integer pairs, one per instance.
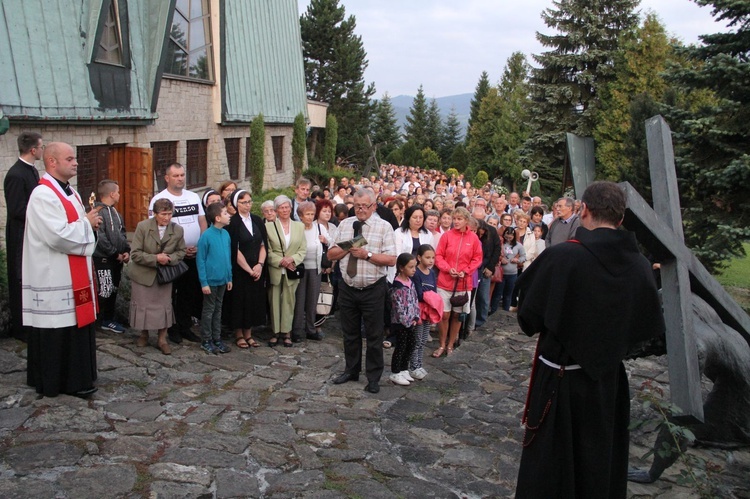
{"points": [[590, 300]]}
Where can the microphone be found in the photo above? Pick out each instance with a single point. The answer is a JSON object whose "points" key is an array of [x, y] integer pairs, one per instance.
{"points": [[357, 228]]}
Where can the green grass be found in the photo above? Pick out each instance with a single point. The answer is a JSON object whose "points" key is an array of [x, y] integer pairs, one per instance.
{"points": [[736, 280], [738, 273]]}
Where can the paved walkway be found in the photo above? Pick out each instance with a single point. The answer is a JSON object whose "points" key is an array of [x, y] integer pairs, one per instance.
{"points": [[268, 423]]}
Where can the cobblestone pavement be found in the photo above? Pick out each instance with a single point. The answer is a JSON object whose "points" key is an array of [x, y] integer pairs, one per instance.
{"points": [[267, 422]]}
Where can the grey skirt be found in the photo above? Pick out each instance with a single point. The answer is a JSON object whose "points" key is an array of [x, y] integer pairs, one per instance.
{"points": [[151, 306]]}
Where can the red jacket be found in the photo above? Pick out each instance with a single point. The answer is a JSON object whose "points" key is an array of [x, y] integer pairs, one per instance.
{"points": [[461, 251]]}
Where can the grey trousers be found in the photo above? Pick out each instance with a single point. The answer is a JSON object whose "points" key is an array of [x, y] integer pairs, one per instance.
{"points": [[306, 301]]}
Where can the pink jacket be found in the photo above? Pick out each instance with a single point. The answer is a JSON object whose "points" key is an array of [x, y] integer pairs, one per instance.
{"points": [[431, 307], [461, 251]]}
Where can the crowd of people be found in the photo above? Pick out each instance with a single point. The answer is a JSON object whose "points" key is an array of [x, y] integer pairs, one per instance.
{"points": [[232, 270], [404, 251]]}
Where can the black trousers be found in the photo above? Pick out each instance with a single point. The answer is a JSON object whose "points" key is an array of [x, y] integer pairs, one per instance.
{"points": [[187, 298], [358, 307], [108, 275]]}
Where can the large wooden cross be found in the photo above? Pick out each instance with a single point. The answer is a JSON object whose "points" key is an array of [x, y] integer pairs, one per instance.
{"points": [[660, 231]]}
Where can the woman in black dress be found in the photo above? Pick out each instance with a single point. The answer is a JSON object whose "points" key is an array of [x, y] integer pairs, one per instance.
{"points": [[248, 235]]}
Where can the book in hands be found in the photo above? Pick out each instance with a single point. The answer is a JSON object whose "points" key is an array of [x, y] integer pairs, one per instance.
{"points": [[356, 242]]}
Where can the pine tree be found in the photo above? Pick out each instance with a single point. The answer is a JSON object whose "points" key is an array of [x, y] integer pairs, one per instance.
{"points": [[512, 127], [434, 127], [452, 135], [335, 62], [500, 128], [480, 147], [565, 86], [483, 86], [711, 140], [416, 121], [385, 130]]}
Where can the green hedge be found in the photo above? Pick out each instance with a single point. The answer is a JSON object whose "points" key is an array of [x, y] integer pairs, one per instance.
{"points": [[269, 194]]}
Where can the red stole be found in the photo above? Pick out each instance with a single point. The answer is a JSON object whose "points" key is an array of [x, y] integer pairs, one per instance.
{"points": [[79, 272]]}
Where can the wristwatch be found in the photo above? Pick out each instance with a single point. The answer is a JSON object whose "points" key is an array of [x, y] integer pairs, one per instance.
{"points": [[369, 255]]}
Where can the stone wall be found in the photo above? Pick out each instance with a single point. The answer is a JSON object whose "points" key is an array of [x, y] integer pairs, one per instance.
{"points": [[185, 112]]}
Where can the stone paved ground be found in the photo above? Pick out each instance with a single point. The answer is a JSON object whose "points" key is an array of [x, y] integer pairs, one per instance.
{"points": [[268, 423]]}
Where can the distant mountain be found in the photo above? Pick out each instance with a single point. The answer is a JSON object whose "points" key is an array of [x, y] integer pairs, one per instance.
{"points": [[462, 103]]}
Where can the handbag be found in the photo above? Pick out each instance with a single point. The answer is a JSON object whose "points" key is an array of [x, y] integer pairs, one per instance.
{"points": [[325, 299], [299, 270], [459, 300], [169, 273], [497, 276], [325, 263]]}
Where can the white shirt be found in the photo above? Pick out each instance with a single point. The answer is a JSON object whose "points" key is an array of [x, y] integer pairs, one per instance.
{"points": [[187, 210]]}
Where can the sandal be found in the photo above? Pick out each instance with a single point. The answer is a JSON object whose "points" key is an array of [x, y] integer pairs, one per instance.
{"points": [[448, 352], [241, 343], [273, 341], [287, 341], [252, 343], [439, 352]]}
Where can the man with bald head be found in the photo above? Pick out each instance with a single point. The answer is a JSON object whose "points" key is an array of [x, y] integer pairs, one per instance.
{"points": [[58, 290]]}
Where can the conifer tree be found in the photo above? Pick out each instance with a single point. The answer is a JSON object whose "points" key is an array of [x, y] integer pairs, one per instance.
{"points": [[434, 127], [416, 121], [483, 86], [335, 62], [638, 69], [452, 135], [565, 86], [711, 140], [501, 129], [385, 130]]}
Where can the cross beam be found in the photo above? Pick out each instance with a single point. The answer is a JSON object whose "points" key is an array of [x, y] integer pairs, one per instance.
{"points": [[660, 231]]}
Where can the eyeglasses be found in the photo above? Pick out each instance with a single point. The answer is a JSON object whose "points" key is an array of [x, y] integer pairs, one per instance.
{"points": [[362, 207], [244, 202]]}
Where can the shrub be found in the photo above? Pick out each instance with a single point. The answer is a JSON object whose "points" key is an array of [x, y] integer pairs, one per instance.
{"points": [[255, 158], [269, 194], [319, 174], [332, 134], [481, 179], [451, 172], [299, 139]]}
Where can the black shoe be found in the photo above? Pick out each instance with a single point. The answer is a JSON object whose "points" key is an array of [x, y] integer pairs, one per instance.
{"points": [[315, 336], [84, 394], [174, 336], [296, 339], [191, 336], [372, 387], [343, 378]]}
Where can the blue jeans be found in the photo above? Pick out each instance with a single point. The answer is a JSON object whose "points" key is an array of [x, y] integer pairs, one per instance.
{"points": [[482, 302], [509, 282], [211, 317]]}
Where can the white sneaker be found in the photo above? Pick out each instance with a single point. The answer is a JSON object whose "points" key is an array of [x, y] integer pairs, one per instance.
{"points": [[397, 379], [418, 373], [406, 376]]}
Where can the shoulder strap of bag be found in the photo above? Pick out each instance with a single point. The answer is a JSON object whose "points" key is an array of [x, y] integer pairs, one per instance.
{"points": [[279, 236]]}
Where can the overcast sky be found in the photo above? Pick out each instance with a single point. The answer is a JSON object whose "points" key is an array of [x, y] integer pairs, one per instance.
{"points": [[446, 44]]}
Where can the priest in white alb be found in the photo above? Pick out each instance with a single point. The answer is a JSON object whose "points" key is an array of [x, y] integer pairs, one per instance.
{"points": [[59, 299]]}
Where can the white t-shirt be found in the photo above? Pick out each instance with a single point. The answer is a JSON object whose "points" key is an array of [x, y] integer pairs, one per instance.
{"points": [[187, 210]]}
